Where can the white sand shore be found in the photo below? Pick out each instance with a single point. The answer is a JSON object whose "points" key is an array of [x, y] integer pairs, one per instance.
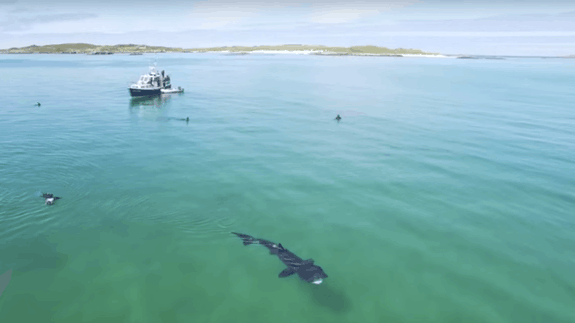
{"points": [[293, 52], [424, 55], [310, 52]]}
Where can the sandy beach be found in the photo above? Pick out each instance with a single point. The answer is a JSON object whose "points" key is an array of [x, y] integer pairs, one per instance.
{"points": [[326, 53]]}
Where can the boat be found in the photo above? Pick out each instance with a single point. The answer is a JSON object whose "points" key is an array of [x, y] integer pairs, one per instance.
{"points": [[168, 91], [151, 84]]}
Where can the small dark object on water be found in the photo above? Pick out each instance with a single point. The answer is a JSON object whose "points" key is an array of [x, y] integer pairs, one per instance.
{"points": [[338, 118], [50, 198], [38, 104], [186, 119]]}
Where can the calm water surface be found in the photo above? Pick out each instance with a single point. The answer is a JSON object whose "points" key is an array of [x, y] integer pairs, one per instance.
{"points": [[445, 194]]}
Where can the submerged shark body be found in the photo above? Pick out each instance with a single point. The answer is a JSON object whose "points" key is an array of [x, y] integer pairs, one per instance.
{"points": [[50, 198], [4, 280], [306, 269]]}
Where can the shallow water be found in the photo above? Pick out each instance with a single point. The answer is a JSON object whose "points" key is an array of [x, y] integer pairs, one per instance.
{"points": [[445, 194]]}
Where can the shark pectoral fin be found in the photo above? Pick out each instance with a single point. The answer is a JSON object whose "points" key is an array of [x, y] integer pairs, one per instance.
{"points": [[286, 272]]}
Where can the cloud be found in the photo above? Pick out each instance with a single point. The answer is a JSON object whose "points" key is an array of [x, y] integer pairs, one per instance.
{"points": [[343, 12], [561, 22], [205, 18], [20, 23], [342, 15], [480, 33]]}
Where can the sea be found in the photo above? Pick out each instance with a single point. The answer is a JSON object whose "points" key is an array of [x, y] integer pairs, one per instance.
{"points": [[445, 194]]}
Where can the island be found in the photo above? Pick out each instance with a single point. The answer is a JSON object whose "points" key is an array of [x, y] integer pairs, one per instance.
{"points": [[90, 49]]}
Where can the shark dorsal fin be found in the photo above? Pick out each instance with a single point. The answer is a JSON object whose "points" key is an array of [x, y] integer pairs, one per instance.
{"points": [[280, 246]]}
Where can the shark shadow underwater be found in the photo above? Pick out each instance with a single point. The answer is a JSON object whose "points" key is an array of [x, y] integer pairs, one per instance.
{"points": [[305, 269]]}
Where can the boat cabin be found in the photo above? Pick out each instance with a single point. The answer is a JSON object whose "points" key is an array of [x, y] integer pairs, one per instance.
{"points": [[149, 81]]}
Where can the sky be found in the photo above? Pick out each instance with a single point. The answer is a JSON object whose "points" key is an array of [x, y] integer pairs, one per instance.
{"points": [[481, 27]]}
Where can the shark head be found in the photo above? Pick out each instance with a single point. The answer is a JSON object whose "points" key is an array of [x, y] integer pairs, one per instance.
{"points": [[311, 273]]}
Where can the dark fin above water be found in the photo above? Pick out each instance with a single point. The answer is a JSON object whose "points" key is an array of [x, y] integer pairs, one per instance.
{"points": [[286, 272], [281, 247]]}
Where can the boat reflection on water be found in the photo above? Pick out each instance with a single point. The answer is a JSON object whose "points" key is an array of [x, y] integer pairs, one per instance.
{"points": [[157, 101]]}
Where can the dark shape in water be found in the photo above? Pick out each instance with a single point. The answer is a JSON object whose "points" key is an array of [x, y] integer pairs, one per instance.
{"points": [[4, 280], [338, 118], [187, 120], [38, 104], [50, 198], [306, 269]]}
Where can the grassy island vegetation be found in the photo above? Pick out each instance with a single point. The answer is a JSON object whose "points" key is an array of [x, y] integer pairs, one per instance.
{"points": [[82, 48]]}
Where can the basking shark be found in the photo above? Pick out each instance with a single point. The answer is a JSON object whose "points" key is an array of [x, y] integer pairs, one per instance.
{"points": [[306, 269], [4, 280], [50, 198]]}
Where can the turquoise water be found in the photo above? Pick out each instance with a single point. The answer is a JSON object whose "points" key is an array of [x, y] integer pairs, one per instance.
{"points": [[445, 194]]}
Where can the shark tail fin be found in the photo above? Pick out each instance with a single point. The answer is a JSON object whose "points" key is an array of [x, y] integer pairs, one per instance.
{"points": [[247, 239]]}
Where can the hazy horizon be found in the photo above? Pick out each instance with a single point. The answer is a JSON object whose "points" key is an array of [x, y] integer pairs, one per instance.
{"points": [[522, 28]]}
